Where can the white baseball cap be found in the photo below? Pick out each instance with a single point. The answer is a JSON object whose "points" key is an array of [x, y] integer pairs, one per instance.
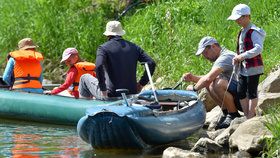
{"points": [[114, 28], [67, 53], [238, 11], [204, 42]]}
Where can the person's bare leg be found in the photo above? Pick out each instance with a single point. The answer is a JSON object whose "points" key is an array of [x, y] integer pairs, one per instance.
{"points": [[220, 88], [214, 95], [245, 106], [252, 107]]}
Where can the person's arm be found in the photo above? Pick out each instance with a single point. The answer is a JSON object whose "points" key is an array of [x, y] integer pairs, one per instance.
{"points": [[70, 78], [206, 80], [8, 73], [99, 68], [189, 77], [41, 75], [257, 40], [143, 57]]}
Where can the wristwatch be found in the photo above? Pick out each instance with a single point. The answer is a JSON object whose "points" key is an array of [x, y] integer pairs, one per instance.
{"points": [[194, 88]]}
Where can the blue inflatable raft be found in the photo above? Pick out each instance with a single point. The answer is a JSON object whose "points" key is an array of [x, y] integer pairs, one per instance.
{"points": [[135, 124]]}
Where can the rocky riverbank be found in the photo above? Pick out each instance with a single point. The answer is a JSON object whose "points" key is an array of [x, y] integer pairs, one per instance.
{"points": [[243, 138]]}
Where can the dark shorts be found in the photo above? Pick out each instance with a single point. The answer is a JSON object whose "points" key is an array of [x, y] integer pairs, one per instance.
{"points": [[232, 89], [248, 86]]}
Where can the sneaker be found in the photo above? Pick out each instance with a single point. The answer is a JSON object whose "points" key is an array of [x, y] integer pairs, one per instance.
{"points": [[220, 121], [226, 122]]}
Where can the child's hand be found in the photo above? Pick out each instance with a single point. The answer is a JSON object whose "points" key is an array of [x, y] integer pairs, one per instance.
{"points": [[237, 59], [47, 92]]}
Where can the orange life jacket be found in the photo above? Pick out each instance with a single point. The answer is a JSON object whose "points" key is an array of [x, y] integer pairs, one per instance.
{"points": [[83, 68], [27, 69]]}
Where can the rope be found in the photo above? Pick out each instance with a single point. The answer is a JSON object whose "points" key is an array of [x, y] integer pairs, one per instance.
{"points": [[235, 67]]}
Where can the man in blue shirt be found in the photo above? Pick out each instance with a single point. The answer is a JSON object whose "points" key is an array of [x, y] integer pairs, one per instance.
{"points": [[116, 66]]}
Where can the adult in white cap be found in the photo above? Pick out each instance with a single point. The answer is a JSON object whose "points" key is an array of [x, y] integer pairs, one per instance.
{"points": [[116, 66], [219, 81], [249, 48], [24, 70]]}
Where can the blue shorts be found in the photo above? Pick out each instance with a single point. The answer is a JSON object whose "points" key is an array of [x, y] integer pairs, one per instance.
{"points": [[232, 89]]}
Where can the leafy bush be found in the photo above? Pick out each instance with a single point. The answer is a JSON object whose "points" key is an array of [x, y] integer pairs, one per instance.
{"points": [[168, 30]]}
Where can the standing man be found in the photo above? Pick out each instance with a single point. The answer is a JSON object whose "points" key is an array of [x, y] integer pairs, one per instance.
{"points": [[24, 70], [216, 81], [116, 66], [249, 49]]}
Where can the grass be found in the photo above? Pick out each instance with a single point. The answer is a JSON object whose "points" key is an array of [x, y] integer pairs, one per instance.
{"points": [[273, 125], [172, 41], [168, 30]]}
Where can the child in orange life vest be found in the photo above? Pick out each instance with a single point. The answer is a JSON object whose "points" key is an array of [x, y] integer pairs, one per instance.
{"points": [[76, 69]]}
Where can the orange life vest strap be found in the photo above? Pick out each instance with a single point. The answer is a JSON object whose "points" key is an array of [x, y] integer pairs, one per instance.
{"points": [[25, 80]]}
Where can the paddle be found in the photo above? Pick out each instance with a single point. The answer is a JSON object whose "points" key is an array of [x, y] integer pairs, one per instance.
{"points": [[50, 86], [154, 105], [179, 83], [123, 93]]}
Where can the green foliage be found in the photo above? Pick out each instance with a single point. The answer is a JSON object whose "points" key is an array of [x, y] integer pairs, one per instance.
{"points": [[273, 125], [54, 26], [168, 30]]}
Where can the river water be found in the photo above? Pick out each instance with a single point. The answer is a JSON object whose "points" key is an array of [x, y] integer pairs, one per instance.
{"points": [[32, 140]]}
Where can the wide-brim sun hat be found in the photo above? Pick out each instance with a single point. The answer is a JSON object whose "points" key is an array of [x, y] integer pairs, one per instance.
{"points": [[238, 11], [114, 28], [204, 42], [26, 43], [67, 53]]}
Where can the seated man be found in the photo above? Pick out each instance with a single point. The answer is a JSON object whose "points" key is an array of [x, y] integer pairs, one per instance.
{"points": [[217, 80], [24, 69], [116, 66]]}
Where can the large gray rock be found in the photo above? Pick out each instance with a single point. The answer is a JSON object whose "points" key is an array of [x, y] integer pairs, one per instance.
{"points": [[271, 83], [266, 101], [206, 145], [223, 138], [249, 136], [208, 102], [212, 118], [172, 152], [213, 134]]}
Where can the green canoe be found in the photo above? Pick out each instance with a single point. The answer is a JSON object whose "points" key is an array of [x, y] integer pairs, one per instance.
{"points": [[43, 108]]}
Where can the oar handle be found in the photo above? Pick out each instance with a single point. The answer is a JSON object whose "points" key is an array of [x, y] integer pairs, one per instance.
{"points": [[151, 80]]}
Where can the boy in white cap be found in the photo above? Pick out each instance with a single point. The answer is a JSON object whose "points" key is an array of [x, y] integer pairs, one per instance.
{"points": [[249, 48], [216, 81], [116, 66]]}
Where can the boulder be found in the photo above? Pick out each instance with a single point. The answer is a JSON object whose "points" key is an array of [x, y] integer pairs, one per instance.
{"points": [[206, 145], [172, 152], [270, 84], [266, 101], [223, 138], [249, 136], [212, 117]]}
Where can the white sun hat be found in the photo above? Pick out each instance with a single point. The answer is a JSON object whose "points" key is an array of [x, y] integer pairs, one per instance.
{"points": [[238, 11], [114, 28], [204, 42]]}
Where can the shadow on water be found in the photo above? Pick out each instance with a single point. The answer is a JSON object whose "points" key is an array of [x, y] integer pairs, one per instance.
{"points": [[27, 139]]}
